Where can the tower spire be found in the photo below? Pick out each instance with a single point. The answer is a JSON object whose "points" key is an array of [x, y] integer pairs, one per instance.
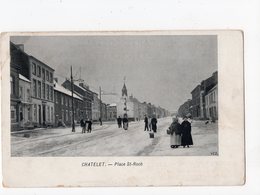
{"points": [[124, 90]]}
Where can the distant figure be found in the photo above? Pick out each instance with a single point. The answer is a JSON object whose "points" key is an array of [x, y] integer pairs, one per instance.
{"points": [[125, 122], [100, 121], [186, 139], [154, 124], [89, 122], [146, 123], [83, 125], [175, 132], [119, 122]]}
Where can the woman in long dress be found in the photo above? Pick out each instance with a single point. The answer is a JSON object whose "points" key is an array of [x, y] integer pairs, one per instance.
{"points": [[175, 132], [186, 139]]}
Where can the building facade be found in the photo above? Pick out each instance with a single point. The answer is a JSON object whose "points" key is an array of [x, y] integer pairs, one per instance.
{"points": [[111, 112], [95, 107], [135, 110], [83, 91], [185, 108], [42, 93], [14, 96], [25, 109], [211, 102], [196, 102], [63, 106]]}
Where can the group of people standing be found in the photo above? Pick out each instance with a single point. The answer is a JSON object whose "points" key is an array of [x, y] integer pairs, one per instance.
{"points": [[86, 125], [150, 124], [124, 121], [180, 133]]}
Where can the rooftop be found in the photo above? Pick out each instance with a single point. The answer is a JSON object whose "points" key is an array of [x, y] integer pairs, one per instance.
{"points": [[63, 90], [24, 78]]}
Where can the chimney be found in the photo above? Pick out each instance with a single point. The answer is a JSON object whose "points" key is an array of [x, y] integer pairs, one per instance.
{"points": [[84, 86], [20, 46], [56, 79]]}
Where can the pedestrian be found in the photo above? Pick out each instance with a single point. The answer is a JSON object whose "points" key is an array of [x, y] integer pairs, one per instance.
{"points": [[146, 123], [119, 122], [175, 132], [83, 125], [100, 121], [186, 138], [125, 122], [154, 124], [89, 122]]}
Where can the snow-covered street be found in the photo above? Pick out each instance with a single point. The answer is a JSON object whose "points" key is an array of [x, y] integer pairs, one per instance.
{"points": [[109, 140]]}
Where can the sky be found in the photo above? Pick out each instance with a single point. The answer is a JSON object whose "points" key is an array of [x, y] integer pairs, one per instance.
{"points": [[161, 69]]}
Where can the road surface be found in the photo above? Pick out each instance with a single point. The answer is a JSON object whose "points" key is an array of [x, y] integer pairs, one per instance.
{"points": [[109, 140]]}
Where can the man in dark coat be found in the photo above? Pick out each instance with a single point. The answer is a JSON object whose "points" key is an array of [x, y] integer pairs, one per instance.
{"points": [[119, 122], [186, 139], [146, 123], [154, 124], [83, 125], [125, 122], [89, 122]]}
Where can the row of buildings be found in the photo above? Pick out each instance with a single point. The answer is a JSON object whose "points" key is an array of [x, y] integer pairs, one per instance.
{"points": [[39, 100], [204, 101], [136, 110]]}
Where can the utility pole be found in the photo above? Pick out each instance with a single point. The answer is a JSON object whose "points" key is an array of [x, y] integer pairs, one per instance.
{"points": [[72, 91], [100, 106]]}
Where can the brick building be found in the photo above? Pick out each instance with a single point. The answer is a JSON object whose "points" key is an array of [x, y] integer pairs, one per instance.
{"points": [[63, 106]]}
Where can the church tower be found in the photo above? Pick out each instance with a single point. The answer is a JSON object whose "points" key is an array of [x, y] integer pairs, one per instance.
{"points": [[124, 91]]}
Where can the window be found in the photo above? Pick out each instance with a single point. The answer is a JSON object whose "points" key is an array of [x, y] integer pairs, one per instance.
{"points": [[28, 95], [56, 97], [48, 92], [43, 74], [51, 93], [65, 100], [13, 114], [51, 78], [34, 88], [28, 113], [34, 68], [67, 117], [48, 113], [70, 102], [39, 89], [35, 112], [12, 85], [43, 90], [21, 92], [61, 99], [62, 115], [51, 114], [47, 75], [38, 71]]}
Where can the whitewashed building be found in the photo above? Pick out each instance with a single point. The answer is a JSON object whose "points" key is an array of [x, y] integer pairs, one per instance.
{"points": [[211, 102]]}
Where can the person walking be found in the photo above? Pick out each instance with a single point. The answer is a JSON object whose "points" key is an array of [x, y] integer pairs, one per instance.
{"points": [[119, 122], [186, 138], [154, 124], [83, 125], [146, 123], [175, 132], [125, 122], [100, 121], [89, 122]]}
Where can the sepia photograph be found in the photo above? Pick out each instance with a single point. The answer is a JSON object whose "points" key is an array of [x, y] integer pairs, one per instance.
{"points": [[122, 95]]}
